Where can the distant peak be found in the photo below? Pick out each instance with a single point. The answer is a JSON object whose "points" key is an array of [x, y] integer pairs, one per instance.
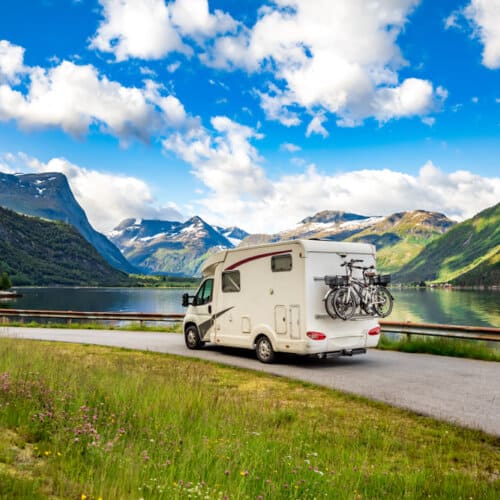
{"points": [[330, 216]]}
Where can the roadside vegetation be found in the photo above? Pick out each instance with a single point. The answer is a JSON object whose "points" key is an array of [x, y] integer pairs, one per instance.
{"points": [[153, 281], [88, 422], [472, 349]]}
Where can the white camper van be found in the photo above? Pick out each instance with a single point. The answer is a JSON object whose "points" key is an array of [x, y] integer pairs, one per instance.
{"points": [[271, 298]]}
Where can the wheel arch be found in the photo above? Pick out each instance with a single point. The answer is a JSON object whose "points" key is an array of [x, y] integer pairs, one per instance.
{"points": [[263, 331]]}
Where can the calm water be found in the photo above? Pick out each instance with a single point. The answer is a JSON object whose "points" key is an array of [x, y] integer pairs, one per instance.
{"points": [[460, 307]]}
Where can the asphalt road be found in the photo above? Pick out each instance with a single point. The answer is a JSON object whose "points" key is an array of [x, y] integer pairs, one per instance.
{"points": [[466, 392]]}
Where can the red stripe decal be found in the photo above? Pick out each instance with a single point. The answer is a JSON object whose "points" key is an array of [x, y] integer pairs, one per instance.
{"points": [[255, 257]]}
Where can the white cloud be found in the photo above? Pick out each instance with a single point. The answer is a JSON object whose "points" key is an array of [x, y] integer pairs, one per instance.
{"points": [[485, 17], [316, 126], [106, 198], [338, 57], [412, 97], [137, 28], [172, 68], [226, 163], [151, 29], [289, 147], [11, 62], [193, 18], [239, 192], [75, 97]]}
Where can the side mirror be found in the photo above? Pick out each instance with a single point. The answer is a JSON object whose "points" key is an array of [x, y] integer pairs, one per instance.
{"points": [[185, 300]]}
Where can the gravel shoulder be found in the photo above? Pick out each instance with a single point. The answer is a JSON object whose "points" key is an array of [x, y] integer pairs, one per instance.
{"points": [[462, 391]]}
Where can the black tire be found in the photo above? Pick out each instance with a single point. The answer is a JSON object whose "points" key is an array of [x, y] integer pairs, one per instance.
{"points": [[264, 350], [329, 304], [192, 338], [383, 302], [344, 303]]}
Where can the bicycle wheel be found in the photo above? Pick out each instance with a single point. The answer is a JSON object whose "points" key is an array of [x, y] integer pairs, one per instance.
{"points": [[344, 303], [330, 309], [382, 302]]}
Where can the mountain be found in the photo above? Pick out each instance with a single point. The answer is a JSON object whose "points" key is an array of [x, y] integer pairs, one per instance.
{"points": [[49, 196], [398, 237], [402, 236], [328, 224], [39, 252], [171, 247], [468, 254]]}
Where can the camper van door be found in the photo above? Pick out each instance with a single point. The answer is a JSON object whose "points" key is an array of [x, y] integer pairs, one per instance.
{"points": [[202, 307]]}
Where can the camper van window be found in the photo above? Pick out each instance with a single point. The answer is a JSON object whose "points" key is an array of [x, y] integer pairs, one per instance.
{"points": [[204, 295], [281, 263], [231, 281]]}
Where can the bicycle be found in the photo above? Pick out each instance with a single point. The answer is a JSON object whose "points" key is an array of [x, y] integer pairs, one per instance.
{"points": [[348, 294]]}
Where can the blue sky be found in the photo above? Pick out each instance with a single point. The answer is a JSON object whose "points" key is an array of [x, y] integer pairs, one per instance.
{"points": [[255, 113]]}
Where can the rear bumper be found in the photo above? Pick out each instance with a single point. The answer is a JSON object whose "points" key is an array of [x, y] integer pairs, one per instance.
{"points": [[343, 352]]}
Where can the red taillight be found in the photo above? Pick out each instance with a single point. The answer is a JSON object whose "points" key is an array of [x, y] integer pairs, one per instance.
{"points": [[374, 331], [316, 335]]}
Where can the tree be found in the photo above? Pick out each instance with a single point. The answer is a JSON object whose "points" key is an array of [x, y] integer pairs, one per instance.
{"points": [[5, 282]]}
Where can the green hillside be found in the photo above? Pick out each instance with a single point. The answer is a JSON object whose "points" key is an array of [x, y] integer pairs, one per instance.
{"points": [[400, 237], [468, 254], [34, 251]]}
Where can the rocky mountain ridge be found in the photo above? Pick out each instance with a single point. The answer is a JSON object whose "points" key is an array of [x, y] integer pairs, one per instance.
{"points": [[49, 196], [171, 247]]}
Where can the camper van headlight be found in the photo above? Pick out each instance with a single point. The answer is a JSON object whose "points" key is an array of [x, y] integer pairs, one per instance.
{"points": [[316, 335]]}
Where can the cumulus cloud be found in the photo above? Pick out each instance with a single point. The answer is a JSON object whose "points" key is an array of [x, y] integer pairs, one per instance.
{"points": [[239, 192], [151, 29], [75, 97], [337, 57], [137, 28], [11, 62], [106, 198], [484, 18], [226, 162]]}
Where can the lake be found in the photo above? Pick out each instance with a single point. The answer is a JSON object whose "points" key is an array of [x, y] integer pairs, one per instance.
{"points": [[446, 306]]}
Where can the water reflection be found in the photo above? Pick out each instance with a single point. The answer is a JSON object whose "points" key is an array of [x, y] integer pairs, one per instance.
{"points": [[459, 307], [155, 300], [447, 306]]}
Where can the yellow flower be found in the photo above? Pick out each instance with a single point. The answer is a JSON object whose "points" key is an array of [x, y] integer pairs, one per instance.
{"points": [[84, 496], [46, 453]]}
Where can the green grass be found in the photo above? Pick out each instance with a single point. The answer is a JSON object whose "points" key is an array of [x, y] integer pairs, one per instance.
{"points": [[94, 422], [472, 349]]}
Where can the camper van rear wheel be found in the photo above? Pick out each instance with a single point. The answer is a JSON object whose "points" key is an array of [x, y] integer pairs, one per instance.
{"points": [[192, 338], [264, 350]]}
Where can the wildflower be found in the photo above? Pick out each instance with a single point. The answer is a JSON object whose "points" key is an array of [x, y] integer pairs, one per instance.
{"points": [[227, 472], [83, 497], [244, 473], [46, 453]]}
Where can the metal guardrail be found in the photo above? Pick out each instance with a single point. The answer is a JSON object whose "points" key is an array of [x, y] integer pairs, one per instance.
{"points": [[89, 316], [433, 330], [407, 328]]}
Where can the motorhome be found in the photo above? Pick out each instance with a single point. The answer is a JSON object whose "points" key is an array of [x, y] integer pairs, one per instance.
{"points": [[271, 298]]}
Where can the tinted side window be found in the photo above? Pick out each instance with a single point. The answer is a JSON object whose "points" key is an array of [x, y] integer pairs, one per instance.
{"points": [[231, 281], [281, 263]]}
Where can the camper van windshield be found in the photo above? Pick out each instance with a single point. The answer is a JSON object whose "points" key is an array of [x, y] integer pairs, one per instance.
{"points": [[204, 295]]}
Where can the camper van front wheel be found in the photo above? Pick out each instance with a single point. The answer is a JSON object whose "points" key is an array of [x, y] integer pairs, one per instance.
{"points": [[192, 338], [264, 350]]}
